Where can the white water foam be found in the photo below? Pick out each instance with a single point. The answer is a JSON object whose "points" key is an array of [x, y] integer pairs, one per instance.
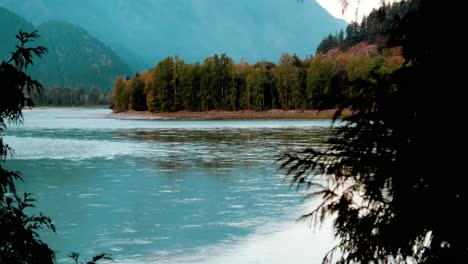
{"points": [[272, 243], [294, 243]]}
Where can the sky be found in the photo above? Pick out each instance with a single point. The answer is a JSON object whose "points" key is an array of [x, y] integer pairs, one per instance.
{"points": [[363, 7]]}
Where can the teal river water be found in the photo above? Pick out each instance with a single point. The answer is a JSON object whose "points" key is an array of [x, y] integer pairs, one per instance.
{"points": [[167, 191]]}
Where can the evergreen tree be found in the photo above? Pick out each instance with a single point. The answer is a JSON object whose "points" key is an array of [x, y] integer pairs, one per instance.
{"points": [[288, 82], [374, 28], [392, 200], [119, 86], [320, 92], [162, 89], [137, 94], [19, 240], [207, 82]]}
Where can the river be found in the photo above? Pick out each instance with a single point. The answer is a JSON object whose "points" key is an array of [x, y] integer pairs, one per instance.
{"points": [[167, 191]]}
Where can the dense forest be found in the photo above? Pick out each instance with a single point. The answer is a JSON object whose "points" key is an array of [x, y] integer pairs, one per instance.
{"points": [[374, 28], [71, 97], [220, 84]]}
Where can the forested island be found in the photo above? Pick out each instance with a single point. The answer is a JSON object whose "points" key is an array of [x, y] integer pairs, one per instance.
{"points": [[219, 83]]}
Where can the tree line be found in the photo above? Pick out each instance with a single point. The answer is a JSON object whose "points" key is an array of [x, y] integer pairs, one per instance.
{"points": [[71, 97], [220, 84], [374, 28]]}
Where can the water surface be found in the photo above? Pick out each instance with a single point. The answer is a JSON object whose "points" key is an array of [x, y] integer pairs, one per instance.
{"points": [[167, 191]]}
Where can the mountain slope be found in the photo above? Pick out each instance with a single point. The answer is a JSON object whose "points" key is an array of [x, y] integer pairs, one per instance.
{"points": [[74, 59], [154, 29], [10, 25]]}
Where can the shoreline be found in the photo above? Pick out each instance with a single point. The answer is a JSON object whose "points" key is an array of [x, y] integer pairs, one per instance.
{"points": [[227, 115]]}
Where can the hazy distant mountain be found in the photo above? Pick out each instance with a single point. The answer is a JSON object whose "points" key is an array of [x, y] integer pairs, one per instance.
{"points": [[10, 25], [75, 58], [145, 31]]}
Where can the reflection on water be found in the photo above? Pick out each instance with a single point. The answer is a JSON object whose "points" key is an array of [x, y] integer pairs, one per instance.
{"points": [[161, 190]]}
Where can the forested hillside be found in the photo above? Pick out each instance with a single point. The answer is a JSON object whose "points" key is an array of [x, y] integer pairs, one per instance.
{"points": [[374, 28], [75, 59]]}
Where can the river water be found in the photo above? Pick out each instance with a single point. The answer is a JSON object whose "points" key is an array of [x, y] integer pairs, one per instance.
{"points": [[167, 191]]}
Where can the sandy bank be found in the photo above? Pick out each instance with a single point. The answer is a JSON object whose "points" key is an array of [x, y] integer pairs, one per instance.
{"points": [[226, 115]]}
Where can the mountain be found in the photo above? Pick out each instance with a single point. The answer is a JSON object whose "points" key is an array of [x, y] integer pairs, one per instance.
{"points": [[145, 31], [74, 59], [10, 25]]}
